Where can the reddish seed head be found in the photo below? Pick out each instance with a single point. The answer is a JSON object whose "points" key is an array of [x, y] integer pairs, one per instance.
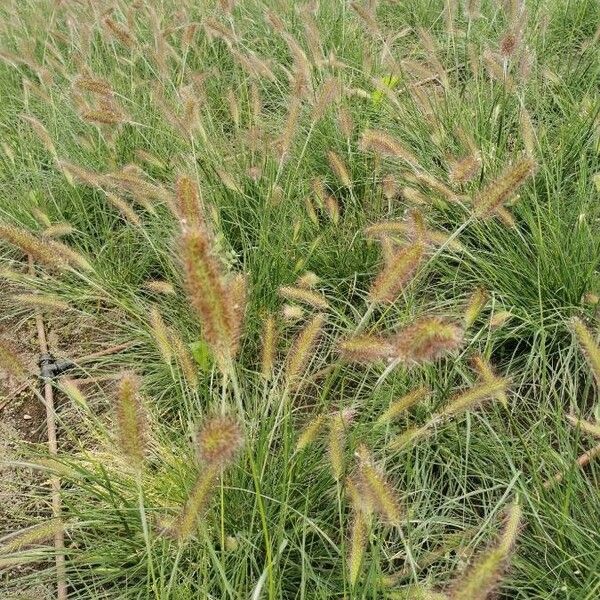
{"points": [[219, 440], [427, 339]]}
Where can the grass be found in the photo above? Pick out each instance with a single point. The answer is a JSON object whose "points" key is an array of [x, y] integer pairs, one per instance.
{"points": [[249, 102]]}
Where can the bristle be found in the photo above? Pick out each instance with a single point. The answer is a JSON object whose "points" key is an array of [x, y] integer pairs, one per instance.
{"points": [[410, 436], [81, 175], [380, 493], [310, 432], [345, 122], [401, 405], [131, 419], [390, 187], [482, 578], [332, 208], [124, 209], [359, 533], [42, 133], [494, 65], [302, 349], [386, 145], [475, 305], [426, 340], [58, 230], [328, 93], [290, 127], [496, 193], [237, 290], [336, 442], [500, 318], [431, 49], [527, 133], [103, 116], [160, 287], [487, 374], [435, 185], [304, 296], [160, 333], [36, 535], [339, 169], [367, 16], [196, 503], [269, 346], [74, 393], [119, 32], [490, 388], [218, 441], [397, 273], [94, 84], [589, 346], [208, 293], [365, 349], [308, 280], [292, 313], [42, 301], [189, 205], [254, 66], [49, 252], [12, 363], [590, 298], [464, 169]]}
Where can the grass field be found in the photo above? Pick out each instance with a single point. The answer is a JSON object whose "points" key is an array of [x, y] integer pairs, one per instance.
{"points": [[337, 265]]}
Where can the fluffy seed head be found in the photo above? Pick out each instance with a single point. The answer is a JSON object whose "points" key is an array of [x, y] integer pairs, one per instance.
{"points": [[209, 294], [397, 273], [586, 426], [160, 333], [365, 349], [218, 441], [301, 351], [426, 340], [189, 205], [131, 418], [58, 230], [32, 536], [305, 296], [377, 490], [465, 169], [185, 360], [496, 193], [401, 405], [49, 252], [195, 505], [475, 305], [588, 345], [310, 432], [386, 145], [160, 287], [481, 579], [42, 302], [491, 387], [359, 534], [336, 443], [339, 168]]}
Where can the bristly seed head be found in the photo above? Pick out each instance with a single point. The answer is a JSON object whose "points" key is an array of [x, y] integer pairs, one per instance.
{"points": [[218, 441], [131, 418], [426, 340]]}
